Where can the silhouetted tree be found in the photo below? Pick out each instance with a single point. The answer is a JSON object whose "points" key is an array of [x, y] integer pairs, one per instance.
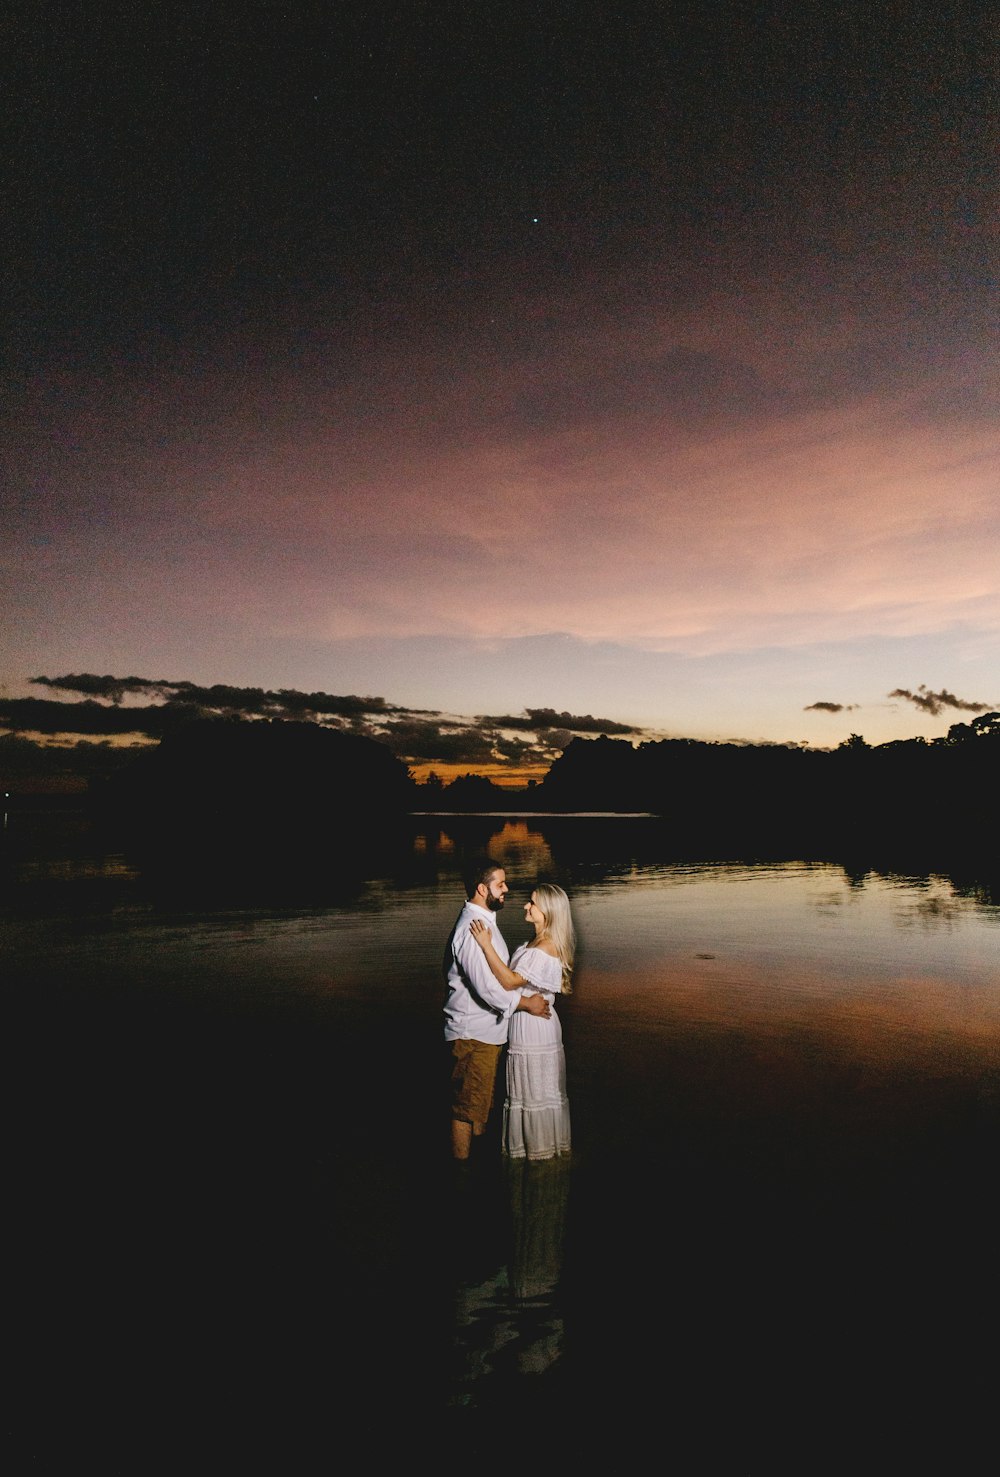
{"points": [[987, 725], [772, 796], [593, 774], [270, 774], [473, 792]]}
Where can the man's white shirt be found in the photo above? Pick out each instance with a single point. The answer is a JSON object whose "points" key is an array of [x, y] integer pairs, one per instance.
{"points": [[477, 1007]]}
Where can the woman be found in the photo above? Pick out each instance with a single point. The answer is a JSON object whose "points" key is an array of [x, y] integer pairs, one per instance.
{"points": [[536, 1111]]}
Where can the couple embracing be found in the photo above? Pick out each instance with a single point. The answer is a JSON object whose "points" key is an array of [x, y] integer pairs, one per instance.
{"points": [[492, 1000]]}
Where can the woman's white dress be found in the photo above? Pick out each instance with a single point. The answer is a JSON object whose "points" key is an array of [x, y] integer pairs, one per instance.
{"points": [[536, 1111]]}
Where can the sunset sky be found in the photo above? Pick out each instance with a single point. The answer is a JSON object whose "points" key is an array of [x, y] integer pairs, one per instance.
{"points": [[637, 362]]}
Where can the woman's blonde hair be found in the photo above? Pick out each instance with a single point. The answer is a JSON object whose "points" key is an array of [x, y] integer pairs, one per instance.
{"points": [[554, 905]]}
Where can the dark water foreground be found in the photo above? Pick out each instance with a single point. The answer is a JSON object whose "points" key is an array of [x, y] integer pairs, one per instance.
{"points": [[244, 1245], [240, 1244]]}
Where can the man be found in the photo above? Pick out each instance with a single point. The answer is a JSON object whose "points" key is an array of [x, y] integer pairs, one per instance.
{"points": [[477, 1009]]}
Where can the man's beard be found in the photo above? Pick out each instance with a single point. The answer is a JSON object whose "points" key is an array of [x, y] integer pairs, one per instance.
{"points": [[494, 903]]}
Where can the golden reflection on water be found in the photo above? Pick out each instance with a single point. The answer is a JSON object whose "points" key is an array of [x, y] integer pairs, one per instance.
{"points": [[442, 843], [906, 1019], [521, 849]]}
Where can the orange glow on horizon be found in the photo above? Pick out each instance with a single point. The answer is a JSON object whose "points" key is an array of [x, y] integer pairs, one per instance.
{"points": [[506, 776]]}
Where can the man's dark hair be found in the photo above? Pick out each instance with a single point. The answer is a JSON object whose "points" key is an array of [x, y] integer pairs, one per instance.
{"points": [[479, 869]]}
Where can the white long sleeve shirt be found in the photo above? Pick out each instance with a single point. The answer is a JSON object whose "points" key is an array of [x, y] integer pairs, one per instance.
{"points": [[476, 1007]]}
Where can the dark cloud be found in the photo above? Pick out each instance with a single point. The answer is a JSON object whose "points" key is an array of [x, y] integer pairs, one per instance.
{"points": [[935, 702], [247, 701], [426, 741], [419, 740], [88, 684], [45, 715], [830, 708], [414, 735], [554, 740], [538, 719], [549, 718]]}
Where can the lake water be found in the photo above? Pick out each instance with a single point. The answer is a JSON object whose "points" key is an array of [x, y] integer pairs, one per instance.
{"points": [[241, 1221]]}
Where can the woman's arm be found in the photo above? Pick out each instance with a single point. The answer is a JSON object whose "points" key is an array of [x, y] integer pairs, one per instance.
{"points": [[506, 977]]}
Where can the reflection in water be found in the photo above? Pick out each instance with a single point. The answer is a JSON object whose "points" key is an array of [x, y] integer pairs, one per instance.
{"points": [[524, 850], [508, 1316], [784, 1079], [934, 911]]}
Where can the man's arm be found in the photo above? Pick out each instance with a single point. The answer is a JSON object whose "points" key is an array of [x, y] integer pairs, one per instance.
{"points": [[479, 977], [482, 936]]}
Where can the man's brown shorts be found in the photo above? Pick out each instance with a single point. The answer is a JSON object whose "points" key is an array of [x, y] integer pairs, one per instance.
{"points": [[472, 1078]]}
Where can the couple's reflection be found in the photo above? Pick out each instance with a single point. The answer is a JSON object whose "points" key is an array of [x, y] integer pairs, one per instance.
{"points": [[508, 1312]]}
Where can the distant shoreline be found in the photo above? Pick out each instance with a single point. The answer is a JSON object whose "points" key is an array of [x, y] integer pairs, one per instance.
{"points": [[590, 815]]}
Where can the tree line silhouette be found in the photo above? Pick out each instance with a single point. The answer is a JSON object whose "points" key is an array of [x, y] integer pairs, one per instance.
{"points": [[266, 774], [237, 772], [908, 789]]}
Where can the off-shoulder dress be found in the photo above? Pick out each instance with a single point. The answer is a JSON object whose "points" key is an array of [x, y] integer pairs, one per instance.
{"points": [[536, 1110]]}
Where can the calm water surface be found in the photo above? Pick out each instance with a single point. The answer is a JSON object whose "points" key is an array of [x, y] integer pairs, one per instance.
{"points": [[784, 1084]]}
